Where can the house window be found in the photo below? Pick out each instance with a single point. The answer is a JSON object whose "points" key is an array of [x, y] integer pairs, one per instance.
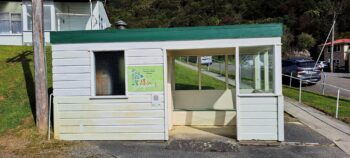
{"points": [[5, 26], [47, 18], [109, 73], [256, 70], [10, 23], [336, 48], [16, 23]]}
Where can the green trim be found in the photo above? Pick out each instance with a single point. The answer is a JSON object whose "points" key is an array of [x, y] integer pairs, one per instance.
{"points": [[169, 34]]}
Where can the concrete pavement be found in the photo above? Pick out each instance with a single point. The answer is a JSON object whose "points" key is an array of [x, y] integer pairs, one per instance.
{"points": [[333, 129]]}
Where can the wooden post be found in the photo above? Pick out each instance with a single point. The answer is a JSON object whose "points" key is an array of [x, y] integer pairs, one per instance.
{"points": [[226, 71], [266, 71], [199, 66], [332, 51], [257, 76], [41, 94]]}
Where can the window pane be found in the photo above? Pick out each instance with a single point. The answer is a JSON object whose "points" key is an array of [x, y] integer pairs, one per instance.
{"points": [[4, 26], [16, 27], [16, 23], [4, 23], [4, 16], [29, 18], [47, 18], [16, 17], [110, 73], [256, 71]]}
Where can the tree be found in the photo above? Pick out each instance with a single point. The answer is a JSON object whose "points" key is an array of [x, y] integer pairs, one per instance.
{"points": [[305, 41]]}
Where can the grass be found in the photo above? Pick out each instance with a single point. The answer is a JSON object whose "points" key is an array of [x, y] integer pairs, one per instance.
{"points": [[326, 104], [186, 79], [17, 84]]}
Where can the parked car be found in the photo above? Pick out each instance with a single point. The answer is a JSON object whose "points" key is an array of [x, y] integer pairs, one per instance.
{"points": [[206, 60], [303, 69], [324, 65]]}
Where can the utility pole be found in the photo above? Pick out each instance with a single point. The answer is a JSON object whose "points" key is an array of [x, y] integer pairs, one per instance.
{"points": [[332, 51], [41, 94]]}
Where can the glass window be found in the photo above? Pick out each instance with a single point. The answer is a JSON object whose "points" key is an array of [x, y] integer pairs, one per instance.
{"points": [[47, 18], [16, 23], [256, 70], [110, 73], [5, 23]]}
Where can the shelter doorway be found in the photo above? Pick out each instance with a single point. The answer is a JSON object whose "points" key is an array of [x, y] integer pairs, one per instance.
{"points": [[201, 89]]}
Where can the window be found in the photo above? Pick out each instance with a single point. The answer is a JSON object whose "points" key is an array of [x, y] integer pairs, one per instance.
{"points": [[109, 73], [47, 18], [256, 70], [16, 23], [10, 23], [336, 48], [5, 23]]}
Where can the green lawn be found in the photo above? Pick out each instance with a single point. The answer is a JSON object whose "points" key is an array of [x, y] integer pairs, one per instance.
{"points": [[16, 84], [326, 104], [187, 79]]}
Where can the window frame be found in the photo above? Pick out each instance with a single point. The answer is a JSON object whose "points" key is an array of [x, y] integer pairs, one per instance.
{"points": [[28, 14], [238, 74], [93, 76], [21, 20], [10, 24]]}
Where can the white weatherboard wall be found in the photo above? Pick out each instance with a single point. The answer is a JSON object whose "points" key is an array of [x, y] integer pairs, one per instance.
{"points": [[79, 117], [257, 118]]}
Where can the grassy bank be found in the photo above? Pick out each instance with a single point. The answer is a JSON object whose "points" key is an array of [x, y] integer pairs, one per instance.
{"points": [[187, 79], [326, 104], [17, 84]]}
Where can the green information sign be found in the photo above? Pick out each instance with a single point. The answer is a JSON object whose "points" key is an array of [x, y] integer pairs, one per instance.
{"points": [[145, 79]]}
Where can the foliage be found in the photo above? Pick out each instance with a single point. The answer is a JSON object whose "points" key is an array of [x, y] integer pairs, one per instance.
{"points": [[313, 17], [305, 41]]}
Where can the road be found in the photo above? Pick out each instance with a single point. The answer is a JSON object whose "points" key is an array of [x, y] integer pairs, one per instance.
{"points": [[337, 79]]}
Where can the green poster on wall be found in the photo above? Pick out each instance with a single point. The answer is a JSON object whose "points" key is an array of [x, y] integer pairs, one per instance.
{"points": [[145, 79]]}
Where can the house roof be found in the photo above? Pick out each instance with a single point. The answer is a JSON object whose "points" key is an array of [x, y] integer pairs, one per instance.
{"points": [[168, 34], [338, 41]]}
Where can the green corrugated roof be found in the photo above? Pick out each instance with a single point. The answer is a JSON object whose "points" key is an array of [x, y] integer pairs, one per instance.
{"points": [[169, 34]]}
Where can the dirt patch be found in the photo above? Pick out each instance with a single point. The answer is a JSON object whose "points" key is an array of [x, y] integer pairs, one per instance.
{"points": [[25, 141], [202, 146], [2, 98], [289, 118]]}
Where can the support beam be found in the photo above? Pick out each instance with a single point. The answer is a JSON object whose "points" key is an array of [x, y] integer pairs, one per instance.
{"points": [[226, 71], [257, 74], [266, 71], [199, 64], [41, 94]]}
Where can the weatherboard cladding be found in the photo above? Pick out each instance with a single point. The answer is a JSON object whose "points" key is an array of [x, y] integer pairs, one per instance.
{"points": [[168, 34]]}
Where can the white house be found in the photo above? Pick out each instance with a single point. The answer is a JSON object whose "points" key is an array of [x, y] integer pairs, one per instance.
{"points": [[59, 15], [121, 84]]}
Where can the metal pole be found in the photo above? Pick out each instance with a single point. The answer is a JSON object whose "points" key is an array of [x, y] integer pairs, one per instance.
{"points": [[337, 110], [300, 82], [323, 83], [41, 94], [290, 79]]}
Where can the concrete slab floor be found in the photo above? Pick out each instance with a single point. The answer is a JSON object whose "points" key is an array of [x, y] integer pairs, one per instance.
{"points": [[219, 141]]}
